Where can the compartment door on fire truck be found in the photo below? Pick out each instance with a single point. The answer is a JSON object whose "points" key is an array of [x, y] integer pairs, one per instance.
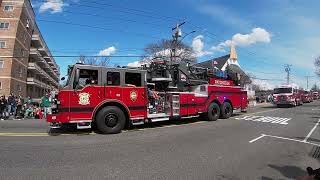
{"points": [[86, 94], [134, 93]]}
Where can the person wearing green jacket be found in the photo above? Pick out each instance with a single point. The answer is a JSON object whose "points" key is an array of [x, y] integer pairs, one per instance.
{"points": [[45, 104]]}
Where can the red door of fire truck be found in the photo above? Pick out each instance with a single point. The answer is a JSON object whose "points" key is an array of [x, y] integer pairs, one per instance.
{"points": [[135, 93], [86, 95]]}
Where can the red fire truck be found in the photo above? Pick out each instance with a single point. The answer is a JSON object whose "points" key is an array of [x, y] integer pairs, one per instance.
{"points": [[315, 95], [288, 95], [114, 98], [307, 97]]}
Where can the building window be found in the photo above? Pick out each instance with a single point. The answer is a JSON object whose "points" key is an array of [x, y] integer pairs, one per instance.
{"points": [[8, 8], [2, 44], [4, 25], [1, 64]]}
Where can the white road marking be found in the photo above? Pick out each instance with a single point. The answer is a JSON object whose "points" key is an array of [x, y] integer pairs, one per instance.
{"points": [[253, 140], [314, 128], [315, 109], [284, 138], [266, 119]]}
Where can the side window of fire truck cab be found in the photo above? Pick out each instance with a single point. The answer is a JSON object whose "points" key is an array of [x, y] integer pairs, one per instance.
{"points": [[133, 79], [113, 78], [86, 77]]}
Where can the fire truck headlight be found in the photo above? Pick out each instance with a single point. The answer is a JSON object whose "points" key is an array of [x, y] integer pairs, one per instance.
{"points": [[54, 117]]}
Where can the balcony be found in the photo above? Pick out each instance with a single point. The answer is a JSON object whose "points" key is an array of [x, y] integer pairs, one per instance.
{"points": [[35, 54], [36, 40], [38, 70]]}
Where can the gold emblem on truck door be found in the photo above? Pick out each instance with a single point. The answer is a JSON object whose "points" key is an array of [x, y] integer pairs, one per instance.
{"points": [[84, 98], [133, 95]]}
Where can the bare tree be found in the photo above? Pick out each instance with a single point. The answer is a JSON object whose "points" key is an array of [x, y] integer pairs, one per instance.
{"points": [[315, 88], [165, 49], [317, 65], [98, 61]]}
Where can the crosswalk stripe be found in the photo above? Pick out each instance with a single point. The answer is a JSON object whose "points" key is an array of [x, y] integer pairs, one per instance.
{"points": [[266, 119]]}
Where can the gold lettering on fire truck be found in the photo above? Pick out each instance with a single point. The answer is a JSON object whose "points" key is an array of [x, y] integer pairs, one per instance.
{"points": [[133, 95], [84, 98]]}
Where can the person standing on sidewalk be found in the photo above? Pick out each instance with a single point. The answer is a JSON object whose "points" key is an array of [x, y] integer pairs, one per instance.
{"points": [[10, 103], [3, 107], [45, 104], [19, 112]]}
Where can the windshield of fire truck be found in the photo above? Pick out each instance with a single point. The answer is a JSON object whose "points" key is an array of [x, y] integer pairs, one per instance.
{"points": [[70, 68], [282, 90]]}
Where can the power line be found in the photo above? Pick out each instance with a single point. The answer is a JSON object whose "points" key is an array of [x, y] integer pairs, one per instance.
{"points": [[97, 27], [95, 56], [266, 79]]}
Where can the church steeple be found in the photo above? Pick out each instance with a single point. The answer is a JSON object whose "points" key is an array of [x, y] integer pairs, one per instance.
{"points": [[233, 53]]}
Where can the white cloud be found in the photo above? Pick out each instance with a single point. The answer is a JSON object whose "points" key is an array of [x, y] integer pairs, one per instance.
{"points": [[135, 64], [198, 46], [108, 51], [257, 35], [54, 6]]}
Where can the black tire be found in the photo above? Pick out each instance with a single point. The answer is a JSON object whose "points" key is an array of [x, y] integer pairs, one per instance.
{"points": [[110, 120], [213, 112], [226, 110]]}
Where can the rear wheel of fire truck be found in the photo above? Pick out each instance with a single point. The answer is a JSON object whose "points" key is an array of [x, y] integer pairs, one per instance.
{"points": [[213, 112], [110, 120], [226, 110]]}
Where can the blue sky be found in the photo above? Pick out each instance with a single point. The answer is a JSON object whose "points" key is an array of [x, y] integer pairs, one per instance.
{"points": [[267, 33]]}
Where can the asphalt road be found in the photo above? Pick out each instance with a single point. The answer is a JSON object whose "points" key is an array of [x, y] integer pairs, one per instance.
{"points": [[265, 143]]}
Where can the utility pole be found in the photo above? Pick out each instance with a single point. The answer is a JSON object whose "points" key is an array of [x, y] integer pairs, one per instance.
{"points": [[177, 34], [287, 68]]}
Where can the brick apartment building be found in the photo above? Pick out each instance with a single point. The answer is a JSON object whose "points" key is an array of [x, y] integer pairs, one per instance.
{"points": [[26, 64]]}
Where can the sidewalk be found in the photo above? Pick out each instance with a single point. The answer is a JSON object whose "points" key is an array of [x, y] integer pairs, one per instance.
{"points": [[255, 104]]}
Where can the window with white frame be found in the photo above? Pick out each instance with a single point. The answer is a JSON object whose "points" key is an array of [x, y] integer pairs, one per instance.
{"points": [[2, 44], [1, 64], [4, 25], [8, 8]]}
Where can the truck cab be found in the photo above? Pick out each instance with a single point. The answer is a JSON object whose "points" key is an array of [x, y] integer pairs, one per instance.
{"points": [[287, 95]]}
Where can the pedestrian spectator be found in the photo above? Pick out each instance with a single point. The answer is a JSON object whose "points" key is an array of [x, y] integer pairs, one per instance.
{"points": [[14, 106], [3, 107], [29, 112], [10, 104], [19, 111], [45, 104], [29, 101], [36, 112]]}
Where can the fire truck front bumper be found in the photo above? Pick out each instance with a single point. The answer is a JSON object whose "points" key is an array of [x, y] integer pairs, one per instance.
{"points": [[53, 118], [286, 102]]}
